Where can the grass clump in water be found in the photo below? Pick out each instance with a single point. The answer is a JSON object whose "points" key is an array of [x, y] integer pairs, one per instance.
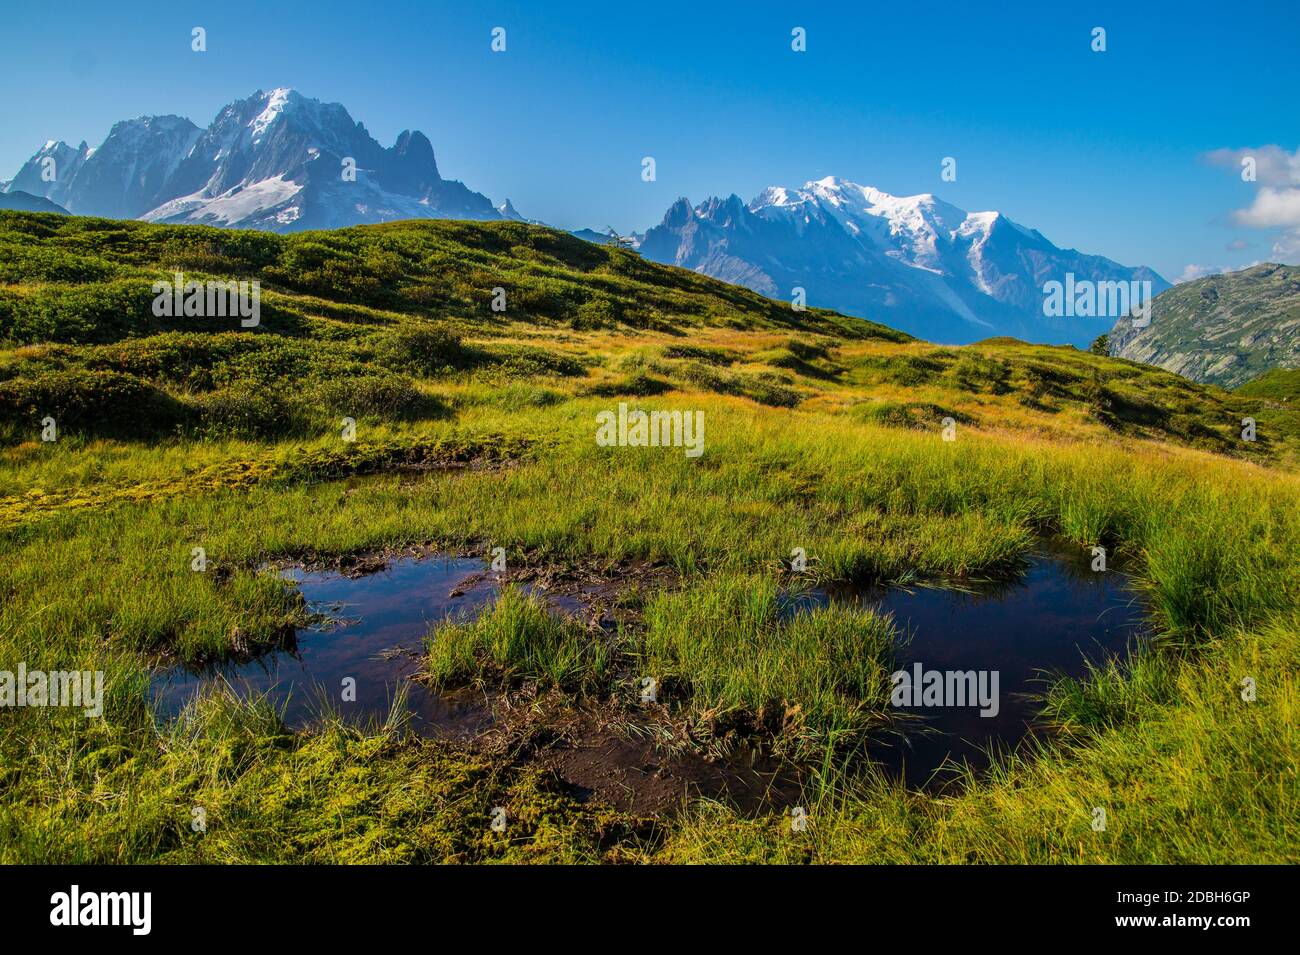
{"points": [[517, 639], [742, 654]]}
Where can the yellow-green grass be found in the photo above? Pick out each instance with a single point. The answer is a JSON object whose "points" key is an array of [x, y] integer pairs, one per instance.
{"points": [[518, 638], [478, 431], [1213, 541], [734, 649]]}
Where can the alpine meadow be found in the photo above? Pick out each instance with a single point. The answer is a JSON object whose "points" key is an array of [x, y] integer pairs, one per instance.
{"points": [[381, 409], [468, 463]]}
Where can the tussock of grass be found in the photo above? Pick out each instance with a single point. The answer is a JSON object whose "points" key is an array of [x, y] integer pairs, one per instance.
{"points": [[703, 353], [739, 652], [920, 415], [517, 639], [638, 385]]}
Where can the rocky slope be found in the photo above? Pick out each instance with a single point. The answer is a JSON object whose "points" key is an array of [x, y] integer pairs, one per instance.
{"points": [[1223, 329]]}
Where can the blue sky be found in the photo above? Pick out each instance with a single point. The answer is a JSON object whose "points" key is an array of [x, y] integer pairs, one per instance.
{"points": [[1105, 152]]}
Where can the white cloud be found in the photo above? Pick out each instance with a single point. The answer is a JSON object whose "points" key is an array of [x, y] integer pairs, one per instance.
{"points": [[1287, 248], [1272, 208], [1276, 204], [1193, 272], [1274, 166]]}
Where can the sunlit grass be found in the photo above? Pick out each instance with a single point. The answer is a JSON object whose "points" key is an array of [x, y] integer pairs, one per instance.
{"points": [[496, 447], [517, 638], [735, 651]]}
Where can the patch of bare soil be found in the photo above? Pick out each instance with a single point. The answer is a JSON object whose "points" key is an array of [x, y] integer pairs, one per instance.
{"points": [[639, 762], [640, 777], [602, 593]]}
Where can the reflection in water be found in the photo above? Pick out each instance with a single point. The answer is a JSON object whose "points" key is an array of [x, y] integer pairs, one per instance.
{"points": [[1053, 619], [375, 635]]}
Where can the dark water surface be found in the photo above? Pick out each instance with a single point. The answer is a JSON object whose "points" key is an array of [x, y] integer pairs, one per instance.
{"points": [[1053, 618], [376, 632]]}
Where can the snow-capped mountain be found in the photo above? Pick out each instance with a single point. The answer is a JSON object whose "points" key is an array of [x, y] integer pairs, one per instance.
{"points": [[276, 160], [915, 262], [283, 162]]}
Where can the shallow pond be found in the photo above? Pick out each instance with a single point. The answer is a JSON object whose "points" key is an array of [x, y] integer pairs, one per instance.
{"points": [[1052, 618]]}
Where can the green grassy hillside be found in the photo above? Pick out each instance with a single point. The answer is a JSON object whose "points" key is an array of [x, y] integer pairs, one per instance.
{"points": [[1280, 385], [1223, 329], [476, 428], [364, 322]]}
